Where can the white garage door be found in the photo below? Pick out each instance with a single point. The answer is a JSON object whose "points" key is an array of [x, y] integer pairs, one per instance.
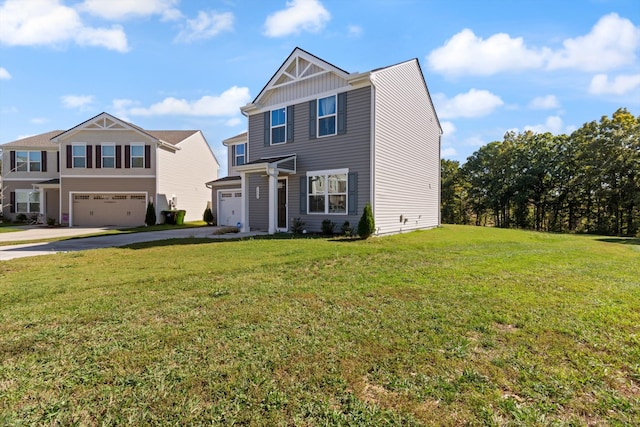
{"points": [[98, 210], [229, 205]]}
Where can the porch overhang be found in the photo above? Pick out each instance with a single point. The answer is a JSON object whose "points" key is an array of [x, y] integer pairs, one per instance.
{"points": [[271, 165], [50, 183]]}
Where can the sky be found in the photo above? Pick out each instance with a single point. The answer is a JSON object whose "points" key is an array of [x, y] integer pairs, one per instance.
{"points": [[491, 66]]}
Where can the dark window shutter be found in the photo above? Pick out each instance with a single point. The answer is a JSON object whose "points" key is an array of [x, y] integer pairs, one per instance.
{"points": [[118, 156], [43, 158], [58, 161], [267, 128], [69, 158], [12, 201], [303, 195], [342, 113], [147, 156], [352, 190], [12, 156], [312, 118], [98, 156], [89, 159], [127, 156], [233, 155], [290, 123]]}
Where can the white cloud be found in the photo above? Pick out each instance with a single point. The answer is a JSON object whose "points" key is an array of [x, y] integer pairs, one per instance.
{"points": [[448, 152], [226, 104], [610, 44], [48, 23], [448, 128], [205, 26], [475, 103], [4, 74], [234, 121], [117, 10], [553, 124], [120, 108], [299, 15], [39, 120], [544, 102], [76, 101], [354, 30], [466, 53], [600, 84]]}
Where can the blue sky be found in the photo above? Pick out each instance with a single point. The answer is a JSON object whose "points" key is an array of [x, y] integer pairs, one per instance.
{"points": [[491, 66]]}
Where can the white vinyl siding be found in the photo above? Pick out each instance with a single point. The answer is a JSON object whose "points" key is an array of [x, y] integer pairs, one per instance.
{"points": [[406, 151]]}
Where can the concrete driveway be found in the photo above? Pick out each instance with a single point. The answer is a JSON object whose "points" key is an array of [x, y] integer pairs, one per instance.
{"points": [[105, 241]]}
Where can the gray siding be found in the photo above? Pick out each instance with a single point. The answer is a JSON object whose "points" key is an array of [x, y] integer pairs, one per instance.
{"points": [[351, 150], [407, 151]]}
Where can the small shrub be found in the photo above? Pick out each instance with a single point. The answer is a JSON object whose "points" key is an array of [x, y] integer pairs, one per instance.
{"points": [[346, 229], [21, 218], [367, 225], [150, 217], [51, 222], [297, 226], [327, 227], [208, 216]]}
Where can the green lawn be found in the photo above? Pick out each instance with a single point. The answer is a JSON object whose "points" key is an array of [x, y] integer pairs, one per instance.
{"points": [[458, 325]]}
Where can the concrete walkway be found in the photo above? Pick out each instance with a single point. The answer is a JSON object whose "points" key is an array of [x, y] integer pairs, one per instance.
{"points": [[105, 241]]}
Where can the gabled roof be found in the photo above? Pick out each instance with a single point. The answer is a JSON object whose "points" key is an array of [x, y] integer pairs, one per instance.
{"points": [[36, 141], [300, 65], [237, 139], [103, 121], [172, 137]]}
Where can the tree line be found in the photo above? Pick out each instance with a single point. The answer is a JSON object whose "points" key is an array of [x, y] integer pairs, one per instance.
{"points": [[586, 182]]}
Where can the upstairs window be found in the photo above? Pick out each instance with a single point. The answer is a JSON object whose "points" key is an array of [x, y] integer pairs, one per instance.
{"points": [[28, 161], [327, 116], [278, 126], [137, 156], [239, 154], [108, 156], [79, 156]]}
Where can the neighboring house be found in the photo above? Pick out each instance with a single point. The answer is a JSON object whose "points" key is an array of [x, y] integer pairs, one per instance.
{"points": [[103, 172], [322, 142]]}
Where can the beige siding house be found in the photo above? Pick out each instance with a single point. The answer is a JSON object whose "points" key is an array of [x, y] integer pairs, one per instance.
{"points": [[323, 142], [104, 172]]}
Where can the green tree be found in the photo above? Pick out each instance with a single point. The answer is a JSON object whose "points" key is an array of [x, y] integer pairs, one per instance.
{"points": [[150, 217], [366, 225]]}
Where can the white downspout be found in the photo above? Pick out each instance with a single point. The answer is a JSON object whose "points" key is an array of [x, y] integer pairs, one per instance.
{"points": [[244, 225]]}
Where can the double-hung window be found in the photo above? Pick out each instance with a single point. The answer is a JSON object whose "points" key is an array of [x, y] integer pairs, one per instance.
{"points": [[79, 156], [27, 201], [327, 192], [137, 156], [327, 116], [278, 126], [28, 161], [239, 154], [108, 156]]}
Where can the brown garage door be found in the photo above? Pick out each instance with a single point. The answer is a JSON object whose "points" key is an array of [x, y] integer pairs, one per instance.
{"points": [[98, 210]]}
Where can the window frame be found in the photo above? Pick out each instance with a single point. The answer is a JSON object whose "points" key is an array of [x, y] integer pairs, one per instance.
{"points": [[282, 125], [83, 156], [327, 193], [333, 116], [132, 157], [103, 156], [19, 194], [236, 155], [28, 161]]}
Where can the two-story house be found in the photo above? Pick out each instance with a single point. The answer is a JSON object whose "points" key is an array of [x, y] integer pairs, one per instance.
{"points": [[104, 171], [323, 142]]}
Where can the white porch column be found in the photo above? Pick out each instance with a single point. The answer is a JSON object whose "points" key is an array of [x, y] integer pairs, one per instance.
{"points": [[273, 199], [244, 203]]}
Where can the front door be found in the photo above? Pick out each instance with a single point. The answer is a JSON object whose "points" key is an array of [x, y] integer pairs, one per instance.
{"points": [[282, 204]]}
